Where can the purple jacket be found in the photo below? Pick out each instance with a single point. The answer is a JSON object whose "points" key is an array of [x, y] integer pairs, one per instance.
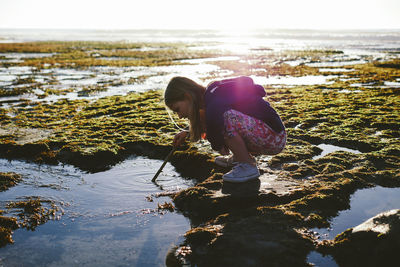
{"points": [[240, 94]]}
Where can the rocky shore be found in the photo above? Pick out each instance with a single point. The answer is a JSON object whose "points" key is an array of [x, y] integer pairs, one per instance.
{"points": [[261, 223]]}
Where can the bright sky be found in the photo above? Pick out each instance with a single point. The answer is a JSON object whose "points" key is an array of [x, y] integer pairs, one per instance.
{"points": [[200, 14]]}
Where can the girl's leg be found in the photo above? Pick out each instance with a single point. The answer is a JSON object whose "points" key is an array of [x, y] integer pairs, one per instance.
{"points": [[256, 136], [238, 147], [235, 132]]}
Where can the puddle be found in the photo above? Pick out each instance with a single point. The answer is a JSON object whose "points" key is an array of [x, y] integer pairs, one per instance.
{"points": [[19, 57], [364, 204], [294, 63], [326, 149], [336, 70], [205, 60], [392, 84], [335, 63], [305, 80], [15, 70], [366, 85], [117, 58], [108, 217], [26, 55], [115, 80], [346, 91], [319, 260]]}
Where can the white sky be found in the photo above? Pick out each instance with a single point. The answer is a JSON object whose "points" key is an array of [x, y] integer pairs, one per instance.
{"points": [[204, 14]]}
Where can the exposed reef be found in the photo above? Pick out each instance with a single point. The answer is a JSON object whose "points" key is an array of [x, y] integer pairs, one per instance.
{"points": [[8, 180], [264, 221], [28, 213]]}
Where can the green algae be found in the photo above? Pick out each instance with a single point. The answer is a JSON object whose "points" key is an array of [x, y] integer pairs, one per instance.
{"points": [[261, 235], [5, 236], [366, 120], [28, 214], [8, 180], [85, 54], [166, 206], [7, 225], [95, 135], [32, 213]]}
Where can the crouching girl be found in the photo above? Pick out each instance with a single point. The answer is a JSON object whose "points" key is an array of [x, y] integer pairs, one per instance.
{"points": [[235, 119]]}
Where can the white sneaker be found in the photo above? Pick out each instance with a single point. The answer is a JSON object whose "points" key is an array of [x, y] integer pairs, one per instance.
{"points": [[224, 161], [241, 172]]}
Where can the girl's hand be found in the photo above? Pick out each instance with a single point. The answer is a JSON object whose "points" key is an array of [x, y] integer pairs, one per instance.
{"points": [[224, 151], [179, 138]]}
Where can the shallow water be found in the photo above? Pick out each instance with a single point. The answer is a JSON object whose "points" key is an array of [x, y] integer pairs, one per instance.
{"points": [[318, 260], [108, 218], [109, 81], [335, 70], [326, 149], [288, 80], [364, 204]]}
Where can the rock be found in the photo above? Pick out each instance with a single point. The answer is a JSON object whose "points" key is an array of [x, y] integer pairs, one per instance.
{"points": [[240, 227], [8, 179], [375, 242], [23, 136], [255, 237], [212, 196]]}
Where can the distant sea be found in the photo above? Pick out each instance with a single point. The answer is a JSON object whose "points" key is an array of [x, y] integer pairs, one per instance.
{"points": [[370, 40]]}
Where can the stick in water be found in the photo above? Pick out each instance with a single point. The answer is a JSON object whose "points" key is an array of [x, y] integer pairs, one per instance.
{"points": [[162, 166]]}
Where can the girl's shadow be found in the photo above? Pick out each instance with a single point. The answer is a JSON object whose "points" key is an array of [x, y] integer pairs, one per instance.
{"points": [[250, 188]]}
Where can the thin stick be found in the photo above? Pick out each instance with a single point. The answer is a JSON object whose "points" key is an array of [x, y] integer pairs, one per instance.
{"points": [[162, 166]]}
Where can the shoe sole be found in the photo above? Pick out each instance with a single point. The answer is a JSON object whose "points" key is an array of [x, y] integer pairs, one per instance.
{"points": [[240, 180], [223, 164]]}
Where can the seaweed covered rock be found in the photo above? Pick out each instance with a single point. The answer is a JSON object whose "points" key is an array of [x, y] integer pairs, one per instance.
{"points": [[375, 242], [8, 180], [7, 224], [256, 237], [98, 135], [31, 212]]}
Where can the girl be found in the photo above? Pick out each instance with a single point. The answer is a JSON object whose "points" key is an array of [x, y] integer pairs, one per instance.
{"points": [[233, 116]]}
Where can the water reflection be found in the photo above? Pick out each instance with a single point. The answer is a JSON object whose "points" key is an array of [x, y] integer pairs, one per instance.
{"points": [[318, 260], [364, 204], [108, 219]]}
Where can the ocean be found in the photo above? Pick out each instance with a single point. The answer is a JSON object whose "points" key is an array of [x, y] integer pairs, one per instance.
{"points": [[370, 40]]}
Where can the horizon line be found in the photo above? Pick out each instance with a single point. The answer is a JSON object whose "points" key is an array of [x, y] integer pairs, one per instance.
{"points": [[203, 29]]}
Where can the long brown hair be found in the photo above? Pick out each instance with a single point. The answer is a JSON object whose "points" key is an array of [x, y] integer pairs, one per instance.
{"points": [[175, 91]]}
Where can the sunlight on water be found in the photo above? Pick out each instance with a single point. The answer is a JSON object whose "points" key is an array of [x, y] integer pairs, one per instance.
{"points": [[336, 70], [326, 149], [335, 63], [305, 80], [112, 216]]}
